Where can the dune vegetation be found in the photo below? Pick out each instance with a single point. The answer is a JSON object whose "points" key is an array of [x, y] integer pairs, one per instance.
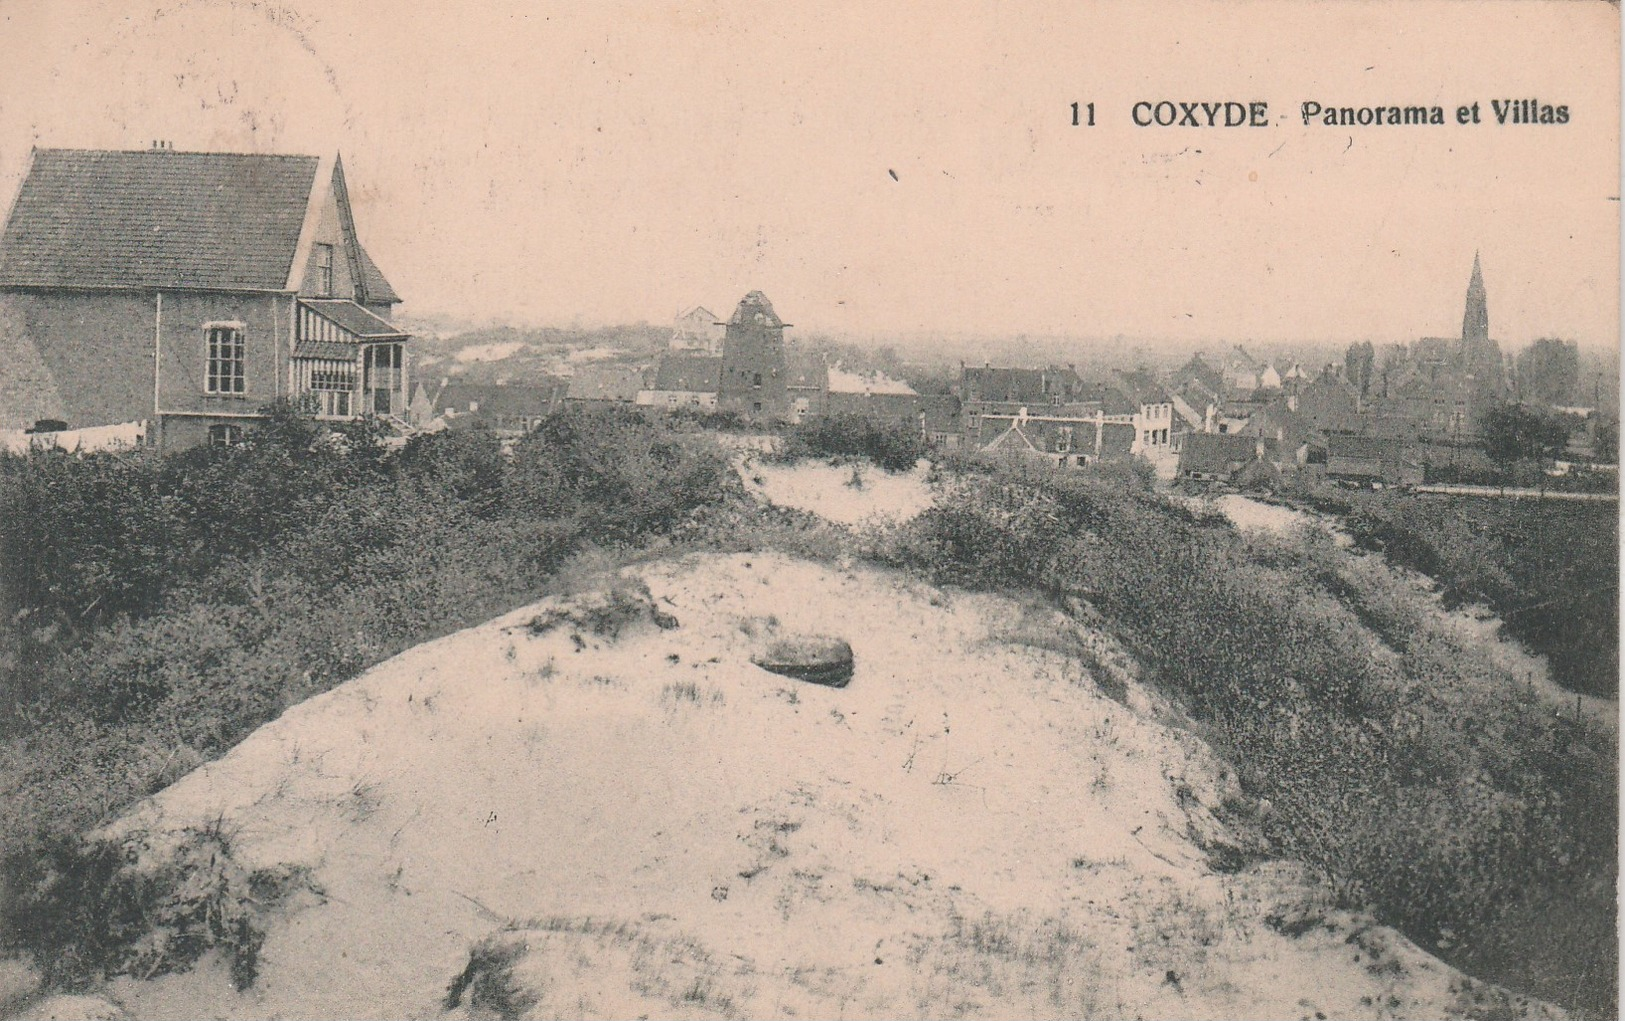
{"points": [[157, 609]]}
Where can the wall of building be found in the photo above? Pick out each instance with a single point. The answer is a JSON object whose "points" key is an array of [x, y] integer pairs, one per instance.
{"points": [[754, 371], [330, 231], [175, 433], [891, 407], [28, 391], [95, 346], [267, 322], [677, 399]]}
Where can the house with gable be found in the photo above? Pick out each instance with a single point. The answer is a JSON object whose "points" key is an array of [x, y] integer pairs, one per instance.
{"points": [[684, 381], [187, 291], [1225, 457], [697, 330], [1055, 414], [502, 407], [1241, 372]]}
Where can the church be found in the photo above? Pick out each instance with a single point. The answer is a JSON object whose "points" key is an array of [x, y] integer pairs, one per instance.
{"points": [[1444, 384]]}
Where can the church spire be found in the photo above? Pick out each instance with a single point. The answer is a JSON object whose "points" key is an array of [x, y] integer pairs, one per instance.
{"points": [[1475, 324]]}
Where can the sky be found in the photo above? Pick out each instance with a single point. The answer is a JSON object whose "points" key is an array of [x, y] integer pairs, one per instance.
{"points": [[895, 169]]}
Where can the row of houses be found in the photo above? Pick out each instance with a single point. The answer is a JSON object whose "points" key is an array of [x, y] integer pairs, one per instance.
{"points": [[753, 374], [166, 297], [1181, 422]]}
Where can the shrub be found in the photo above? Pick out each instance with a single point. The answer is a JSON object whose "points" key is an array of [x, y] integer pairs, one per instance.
{"points": [[160, 608], [90, 909], [891, 445], [1414, 777]]}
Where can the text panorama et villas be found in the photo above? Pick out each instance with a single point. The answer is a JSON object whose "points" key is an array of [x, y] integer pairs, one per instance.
{"points": [[1169, 113]]}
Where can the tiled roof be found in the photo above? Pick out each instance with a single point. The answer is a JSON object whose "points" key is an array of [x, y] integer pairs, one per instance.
{"points": [[378, 289], [689, 373], [1364, 446], [90, 218], [352, 318], [607, 383], [1216, 453], [750, 306], [1199, 371], [1029, 386], [501, 400]]}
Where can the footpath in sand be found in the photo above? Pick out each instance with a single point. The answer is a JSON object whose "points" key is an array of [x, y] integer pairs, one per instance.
{"points": [[629, 818]]}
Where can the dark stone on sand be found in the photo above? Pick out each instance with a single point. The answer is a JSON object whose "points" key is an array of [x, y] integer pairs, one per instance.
{"points": [[817, 659]]}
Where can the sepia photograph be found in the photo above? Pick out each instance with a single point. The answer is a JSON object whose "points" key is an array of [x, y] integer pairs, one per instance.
{"points": [[702, 509]]}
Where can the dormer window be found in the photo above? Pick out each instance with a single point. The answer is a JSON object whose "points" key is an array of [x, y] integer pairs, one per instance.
{"points": [[324, 270]]}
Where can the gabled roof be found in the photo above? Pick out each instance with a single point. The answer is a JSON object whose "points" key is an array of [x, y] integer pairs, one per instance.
{"points": [[1189, 415], [501, 400], [1004, 439], [1029, 386], [89, 218], [1113, 397], [1216, 453], [1199, 371], [378, 290], [1140, 386], [1238, 358], [1280, 422], [689, 373], [607, 383]]}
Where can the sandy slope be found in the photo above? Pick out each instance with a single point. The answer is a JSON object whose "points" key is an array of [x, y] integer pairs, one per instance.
{"points": [[972, 827], [995, 819], [851, 494]]}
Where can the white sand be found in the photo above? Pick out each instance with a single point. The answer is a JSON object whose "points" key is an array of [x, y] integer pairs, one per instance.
{"points": [[827, 490], [971, 828]]}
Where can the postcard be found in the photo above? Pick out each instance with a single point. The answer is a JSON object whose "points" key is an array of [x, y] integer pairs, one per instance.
{"points": [[709, 509]]}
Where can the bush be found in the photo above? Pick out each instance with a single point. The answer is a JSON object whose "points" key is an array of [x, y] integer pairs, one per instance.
{"points": [[891, 445], [160, 608], [1548, 569], [1415, 778], [90, 909]]}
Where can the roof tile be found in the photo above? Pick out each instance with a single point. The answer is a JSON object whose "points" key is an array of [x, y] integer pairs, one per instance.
{"points": [[92, 218]]}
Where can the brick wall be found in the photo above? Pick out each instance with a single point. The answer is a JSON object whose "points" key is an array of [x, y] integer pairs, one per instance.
{"points": [[97, 348], [754, 371], [28, 391], [267, 322]]}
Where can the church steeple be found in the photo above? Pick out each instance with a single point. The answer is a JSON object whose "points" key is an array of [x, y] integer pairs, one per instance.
{"points": [[1475, 325]]}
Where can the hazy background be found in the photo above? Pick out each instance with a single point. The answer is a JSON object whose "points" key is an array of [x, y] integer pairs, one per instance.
{"points": [[583, 165]]}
